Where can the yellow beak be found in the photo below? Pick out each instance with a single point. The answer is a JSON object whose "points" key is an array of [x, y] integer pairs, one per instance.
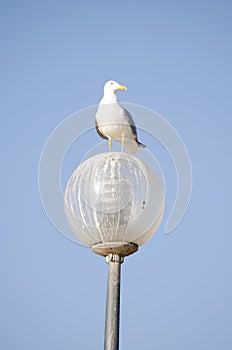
{"points": [[122, 87]]}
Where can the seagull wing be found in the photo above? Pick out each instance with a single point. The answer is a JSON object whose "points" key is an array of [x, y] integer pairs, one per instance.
{"points": [[129, 120]]}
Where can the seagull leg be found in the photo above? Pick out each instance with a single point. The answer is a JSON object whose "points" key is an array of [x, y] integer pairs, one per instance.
{"points": [[122, 142], [110, 144]]}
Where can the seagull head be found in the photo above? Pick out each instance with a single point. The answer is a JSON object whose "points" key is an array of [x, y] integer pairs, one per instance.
{"points": [[112, 86]]}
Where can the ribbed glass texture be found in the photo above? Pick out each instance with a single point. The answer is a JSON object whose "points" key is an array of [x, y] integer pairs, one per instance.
{"points": [[113, 197]]}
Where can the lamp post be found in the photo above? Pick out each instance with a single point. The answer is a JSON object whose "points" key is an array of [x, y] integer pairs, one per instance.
{"points": [[114, 203]]}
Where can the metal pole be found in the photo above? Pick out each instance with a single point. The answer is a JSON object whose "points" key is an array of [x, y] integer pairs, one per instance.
{"points": [[113, 302]]}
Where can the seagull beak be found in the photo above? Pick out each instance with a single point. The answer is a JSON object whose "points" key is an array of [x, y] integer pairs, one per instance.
{"points": [[122, 87]]}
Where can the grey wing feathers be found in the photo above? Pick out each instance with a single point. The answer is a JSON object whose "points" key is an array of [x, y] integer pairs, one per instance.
{"points": [[133, 127], [99, 132]]}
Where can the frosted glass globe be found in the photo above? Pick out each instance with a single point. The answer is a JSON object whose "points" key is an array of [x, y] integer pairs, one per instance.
{"points": [[113, 197]]}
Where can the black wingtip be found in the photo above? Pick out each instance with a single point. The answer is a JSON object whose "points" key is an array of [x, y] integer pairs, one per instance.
{"points": [[141, 144]]}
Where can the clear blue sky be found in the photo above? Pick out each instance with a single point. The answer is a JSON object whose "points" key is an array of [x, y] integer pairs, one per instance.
{"points": [[175, 57]]}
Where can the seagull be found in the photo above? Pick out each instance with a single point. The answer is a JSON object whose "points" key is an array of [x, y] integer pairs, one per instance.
{"points": [[113, 122]]}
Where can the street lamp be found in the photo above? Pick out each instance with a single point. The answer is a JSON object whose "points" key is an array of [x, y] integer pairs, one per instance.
{"points": [[114, 203]]}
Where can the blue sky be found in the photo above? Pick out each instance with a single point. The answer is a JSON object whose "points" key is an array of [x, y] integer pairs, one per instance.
{"points": [[175, 58]]}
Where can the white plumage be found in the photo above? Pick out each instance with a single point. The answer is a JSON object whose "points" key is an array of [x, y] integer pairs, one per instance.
{"points": [[113, 122]]}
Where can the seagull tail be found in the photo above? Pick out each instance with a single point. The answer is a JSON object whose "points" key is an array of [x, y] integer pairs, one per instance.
{"points": [[141, 144], [132, 146]]}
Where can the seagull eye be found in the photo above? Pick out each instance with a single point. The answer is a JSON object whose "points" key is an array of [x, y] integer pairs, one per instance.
{"points": [[111, 83]]}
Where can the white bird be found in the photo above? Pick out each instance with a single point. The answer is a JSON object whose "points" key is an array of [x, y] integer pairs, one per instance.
{"points": [[113, 122]]}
